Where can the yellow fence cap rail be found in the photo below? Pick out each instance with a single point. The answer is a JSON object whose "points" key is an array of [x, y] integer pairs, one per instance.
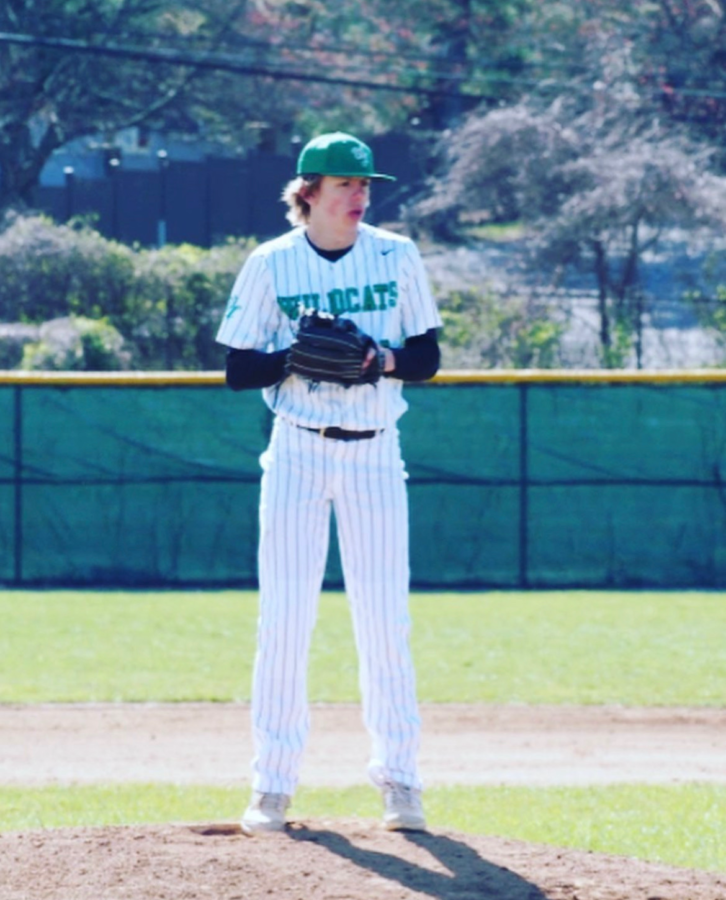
{"points": [[112, 379], [450, 376], [579, 376]]}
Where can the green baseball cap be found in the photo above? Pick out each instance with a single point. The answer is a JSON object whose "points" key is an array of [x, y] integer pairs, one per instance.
{"points": [[338, 154]]}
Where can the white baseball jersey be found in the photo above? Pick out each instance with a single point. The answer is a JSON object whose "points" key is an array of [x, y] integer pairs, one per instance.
{"points": [[380, 284]]}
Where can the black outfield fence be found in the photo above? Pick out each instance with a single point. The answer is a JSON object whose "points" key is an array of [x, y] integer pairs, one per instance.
{"points": [[202, 202]]}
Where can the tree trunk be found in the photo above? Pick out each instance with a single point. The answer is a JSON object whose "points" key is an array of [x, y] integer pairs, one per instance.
{"points": [[630, 295], [21, 162], [601, 273], [638, 314], [629, 277]]}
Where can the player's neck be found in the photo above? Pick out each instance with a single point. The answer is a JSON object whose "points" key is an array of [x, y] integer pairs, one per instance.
{"points": [[325, 238], [330, 255]]}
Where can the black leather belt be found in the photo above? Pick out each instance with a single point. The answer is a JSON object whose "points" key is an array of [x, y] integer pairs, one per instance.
{"points": [[340, 434]]}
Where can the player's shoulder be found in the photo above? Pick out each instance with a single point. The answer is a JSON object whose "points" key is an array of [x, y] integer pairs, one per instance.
{"points": [[385, 240]]}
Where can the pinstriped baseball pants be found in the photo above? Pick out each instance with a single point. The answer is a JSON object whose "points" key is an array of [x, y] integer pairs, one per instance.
{"points": [[305, 476]]}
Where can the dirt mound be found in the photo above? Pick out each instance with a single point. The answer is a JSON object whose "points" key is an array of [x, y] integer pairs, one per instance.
{"points": [[323, 860], [349, 859]]}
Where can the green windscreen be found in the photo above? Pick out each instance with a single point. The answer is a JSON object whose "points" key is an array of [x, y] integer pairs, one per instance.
{"points": [[511, 483]]}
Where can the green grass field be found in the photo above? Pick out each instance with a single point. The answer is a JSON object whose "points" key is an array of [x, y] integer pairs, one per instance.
{"points": [[634, 648], [641, 648]]}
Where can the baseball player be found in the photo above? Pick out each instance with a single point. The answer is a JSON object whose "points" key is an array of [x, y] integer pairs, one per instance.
{"points": [[334, 447]]}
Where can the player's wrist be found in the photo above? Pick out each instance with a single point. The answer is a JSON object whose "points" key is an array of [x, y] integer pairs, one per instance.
{"points": [[386, 360]]}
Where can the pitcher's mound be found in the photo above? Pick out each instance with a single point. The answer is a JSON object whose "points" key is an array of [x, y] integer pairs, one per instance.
{"points": [[341, 859]]}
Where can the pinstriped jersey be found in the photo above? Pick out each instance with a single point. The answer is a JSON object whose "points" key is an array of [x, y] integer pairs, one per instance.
{"points": [[380, 284]]}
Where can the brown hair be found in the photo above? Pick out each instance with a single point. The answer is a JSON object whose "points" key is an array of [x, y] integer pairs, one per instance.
{"points": [[295, 194]]}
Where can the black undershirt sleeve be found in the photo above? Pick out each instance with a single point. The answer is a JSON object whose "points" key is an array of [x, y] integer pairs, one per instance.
{"points": [[254, 368], [417, 360]]}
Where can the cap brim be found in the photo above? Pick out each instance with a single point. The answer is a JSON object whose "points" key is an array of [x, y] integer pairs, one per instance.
{"points": [[376, 176]]}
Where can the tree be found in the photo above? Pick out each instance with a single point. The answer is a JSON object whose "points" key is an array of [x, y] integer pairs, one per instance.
{"points": [[506, 162], [214, 70], [426, 58], [596, 190], [625, 196], [675, 53], [223, 70], [50, 95], [478, 53], [681, 57]]}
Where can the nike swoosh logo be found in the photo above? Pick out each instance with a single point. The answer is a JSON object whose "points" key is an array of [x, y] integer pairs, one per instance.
{"points": [[386, 252]]}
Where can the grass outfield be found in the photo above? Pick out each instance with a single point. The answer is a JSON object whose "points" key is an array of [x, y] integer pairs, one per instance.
{"points": [[575, 647], [583, 647]]}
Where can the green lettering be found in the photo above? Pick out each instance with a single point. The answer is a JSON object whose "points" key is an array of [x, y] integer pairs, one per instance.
{"points": [[232, 308], [350, 304], [289, 306], [381, 290], [369, 302], [393, 291], [336, 300]]}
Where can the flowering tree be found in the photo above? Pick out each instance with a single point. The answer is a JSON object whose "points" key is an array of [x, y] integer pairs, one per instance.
{"points": [[595, 190]]}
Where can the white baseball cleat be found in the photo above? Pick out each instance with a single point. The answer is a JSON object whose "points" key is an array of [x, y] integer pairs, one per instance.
{"points": [[266, 812], [403, 809]]}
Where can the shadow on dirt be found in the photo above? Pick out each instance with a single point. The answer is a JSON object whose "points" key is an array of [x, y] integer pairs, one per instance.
{"points": [[468, 875]]}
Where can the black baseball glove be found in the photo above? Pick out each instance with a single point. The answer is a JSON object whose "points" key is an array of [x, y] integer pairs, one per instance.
{"points": [[331, 348]]}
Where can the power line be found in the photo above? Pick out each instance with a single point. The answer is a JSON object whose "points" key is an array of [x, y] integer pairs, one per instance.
{"points": [[495, 69], [220, 62], [225, 62]]}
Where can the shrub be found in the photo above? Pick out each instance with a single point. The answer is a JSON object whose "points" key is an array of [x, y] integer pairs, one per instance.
{"points": [[77, 344], [49, 270], [165, 304], [174, 309], [483, 329], [13, 338]]}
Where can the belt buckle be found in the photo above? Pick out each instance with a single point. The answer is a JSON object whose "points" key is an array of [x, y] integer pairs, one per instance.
{"points": [[322, 431]]}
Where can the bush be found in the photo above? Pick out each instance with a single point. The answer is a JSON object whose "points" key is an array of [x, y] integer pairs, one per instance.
{"points": [[177, 301], [49, 270], [485, 330], [76, 344], [13, 338], [164, 304]]}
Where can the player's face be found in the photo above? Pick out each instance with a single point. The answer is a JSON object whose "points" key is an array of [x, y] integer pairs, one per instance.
{"points": [[340, 203]]}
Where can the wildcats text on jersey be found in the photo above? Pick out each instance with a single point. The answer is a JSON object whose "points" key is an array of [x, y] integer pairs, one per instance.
{"points": [[371, 298]]}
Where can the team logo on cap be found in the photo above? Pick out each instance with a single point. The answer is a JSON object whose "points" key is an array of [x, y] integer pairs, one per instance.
{"points": [[361, 154]]}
